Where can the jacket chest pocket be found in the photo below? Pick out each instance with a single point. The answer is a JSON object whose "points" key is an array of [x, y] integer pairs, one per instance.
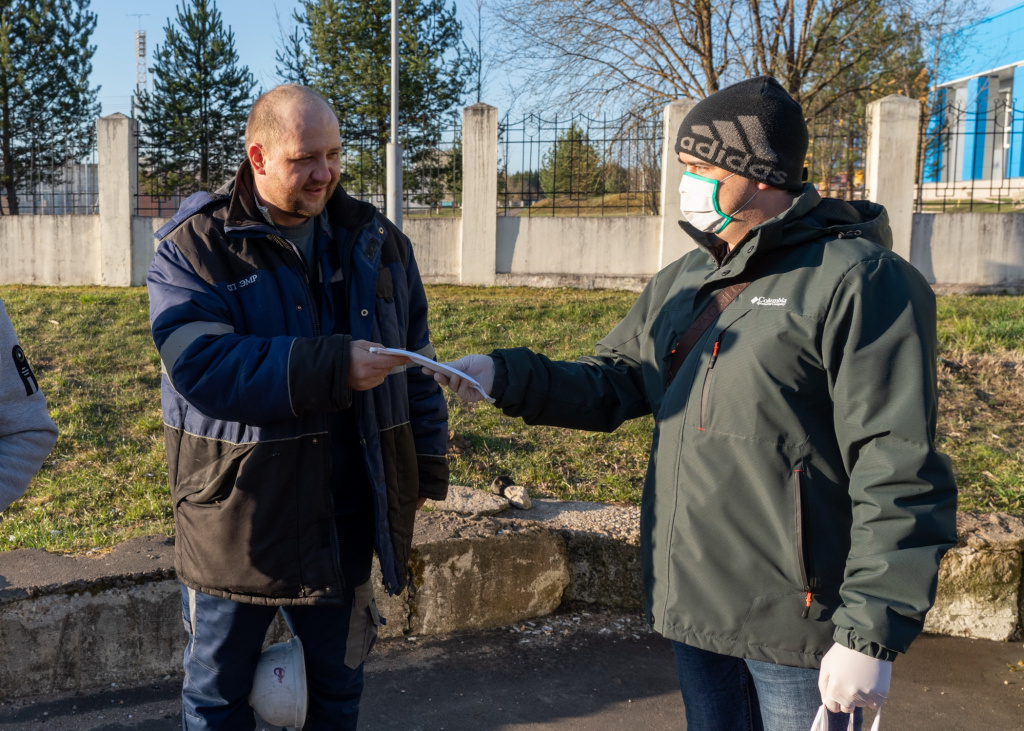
{"points": [[385, 285], [725, 337], [709, 375], [760, 379], [388, 304]]}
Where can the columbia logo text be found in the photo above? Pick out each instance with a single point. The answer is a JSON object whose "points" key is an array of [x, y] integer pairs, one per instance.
{"points": [[244, 282], [769, 301]]}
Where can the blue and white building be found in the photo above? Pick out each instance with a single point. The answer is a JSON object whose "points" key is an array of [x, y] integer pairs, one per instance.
{"points": [[975, 136]]}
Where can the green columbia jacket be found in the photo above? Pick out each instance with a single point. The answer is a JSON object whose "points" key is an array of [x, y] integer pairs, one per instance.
{"points": [[794, 495]]}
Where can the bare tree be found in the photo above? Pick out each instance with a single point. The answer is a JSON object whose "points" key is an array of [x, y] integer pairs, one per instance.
{"points": [[479, 52], [637, 55], [634, 53]]}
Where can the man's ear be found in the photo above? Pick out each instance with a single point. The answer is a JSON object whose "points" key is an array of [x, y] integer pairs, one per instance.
{"points": [[258, 159]]}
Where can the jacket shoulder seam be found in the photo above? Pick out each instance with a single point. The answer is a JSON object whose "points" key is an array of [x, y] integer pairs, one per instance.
{"points": [[175, 223]]}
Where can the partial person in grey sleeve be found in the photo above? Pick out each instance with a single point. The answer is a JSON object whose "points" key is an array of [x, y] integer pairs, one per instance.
{"points": [[27, 434]]}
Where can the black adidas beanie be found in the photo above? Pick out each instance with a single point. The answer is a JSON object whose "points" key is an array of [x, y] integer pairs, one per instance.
{"points": [[752, 128]]}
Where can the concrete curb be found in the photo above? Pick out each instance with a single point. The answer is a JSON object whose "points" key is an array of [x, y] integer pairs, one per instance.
{"points": [[980, 593], [72, 623]]}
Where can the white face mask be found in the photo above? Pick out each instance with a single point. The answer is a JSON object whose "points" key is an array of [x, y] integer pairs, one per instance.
{"points": [[698, 202]]}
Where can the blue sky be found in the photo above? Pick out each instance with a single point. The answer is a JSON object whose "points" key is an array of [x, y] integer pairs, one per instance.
{"points": [[254, 23], [113, 65]]}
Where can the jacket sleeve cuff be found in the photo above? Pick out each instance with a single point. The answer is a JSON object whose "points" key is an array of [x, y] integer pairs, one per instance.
{"points": [[500, 377], [850, 638], [433, 473], [318, 374]]}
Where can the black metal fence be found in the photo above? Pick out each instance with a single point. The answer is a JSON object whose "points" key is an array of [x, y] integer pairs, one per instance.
{"points": [[971, 155], [53, 180], [970, 158], [835, 154], [432, 173], [579, 165], [170, 173]]}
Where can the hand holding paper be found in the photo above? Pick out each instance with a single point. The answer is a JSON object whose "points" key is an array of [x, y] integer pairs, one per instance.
{"points": [[370, 363], [471, 377]]}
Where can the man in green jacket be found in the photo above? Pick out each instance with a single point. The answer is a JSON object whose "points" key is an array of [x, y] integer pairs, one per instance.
{"points": [[795, 509]]}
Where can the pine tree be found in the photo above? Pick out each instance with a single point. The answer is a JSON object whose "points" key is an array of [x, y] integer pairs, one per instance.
{"points": [[572, 167], [344, 50], [193, 123], [291, 56], [47, 109]]}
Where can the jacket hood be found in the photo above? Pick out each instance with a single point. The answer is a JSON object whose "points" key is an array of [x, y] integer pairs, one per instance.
{"points": [[811, 217]]}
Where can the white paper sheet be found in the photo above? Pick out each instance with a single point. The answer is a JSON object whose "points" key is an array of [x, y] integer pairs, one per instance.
{"points": [[434, 366]]}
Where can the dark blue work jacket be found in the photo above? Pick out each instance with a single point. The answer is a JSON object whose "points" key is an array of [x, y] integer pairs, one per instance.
{"points": [[255, 354]]}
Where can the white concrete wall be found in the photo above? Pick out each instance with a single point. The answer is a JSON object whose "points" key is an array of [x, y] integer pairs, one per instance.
{"points": [[619, 252], [965, 251], [969, 250], [614, 246], [435, 243], [143, 245], [50, 249]]}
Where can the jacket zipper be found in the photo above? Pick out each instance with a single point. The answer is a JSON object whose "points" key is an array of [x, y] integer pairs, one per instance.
{"points": [[348, 266], [308, 287], [705, 395], [347, 270], [798, 486]]}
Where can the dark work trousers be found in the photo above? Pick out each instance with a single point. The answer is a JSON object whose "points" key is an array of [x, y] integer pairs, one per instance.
{"points": [[226, 638]]}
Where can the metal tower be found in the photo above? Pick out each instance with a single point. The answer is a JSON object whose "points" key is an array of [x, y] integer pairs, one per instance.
{"points": [[140, 53], [140, 59]]}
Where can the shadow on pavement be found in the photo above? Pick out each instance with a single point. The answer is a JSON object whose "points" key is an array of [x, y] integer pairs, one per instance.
{"points": [[576, 671]]}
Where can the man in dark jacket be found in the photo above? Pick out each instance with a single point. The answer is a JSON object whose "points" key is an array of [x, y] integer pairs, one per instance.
{"points": [[293, 451], [795, 509]]}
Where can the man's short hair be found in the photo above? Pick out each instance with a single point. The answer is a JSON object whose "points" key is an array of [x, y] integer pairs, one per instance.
{"points": [[264, 122]]}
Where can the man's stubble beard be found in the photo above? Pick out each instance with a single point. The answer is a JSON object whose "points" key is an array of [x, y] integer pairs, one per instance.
{"points": [[295, 207]]}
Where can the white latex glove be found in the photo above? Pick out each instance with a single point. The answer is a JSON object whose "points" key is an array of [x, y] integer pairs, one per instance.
{"points": [[851, 679], [480, 367]]}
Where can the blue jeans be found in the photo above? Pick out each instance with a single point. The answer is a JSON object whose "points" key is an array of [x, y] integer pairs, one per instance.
{"points": [[225, 641], [723, 693]]}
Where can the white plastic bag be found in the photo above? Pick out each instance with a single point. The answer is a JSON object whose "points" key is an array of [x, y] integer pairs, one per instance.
{"points": [[821, 720]]}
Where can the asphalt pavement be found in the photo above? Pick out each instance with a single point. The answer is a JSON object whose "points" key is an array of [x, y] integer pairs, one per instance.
{"points": [[583, 670]]}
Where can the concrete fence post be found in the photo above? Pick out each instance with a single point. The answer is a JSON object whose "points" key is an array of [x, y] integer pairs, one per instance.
{"points": [[479, 240], [673, 243], [891, 164], [117, 171]]}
